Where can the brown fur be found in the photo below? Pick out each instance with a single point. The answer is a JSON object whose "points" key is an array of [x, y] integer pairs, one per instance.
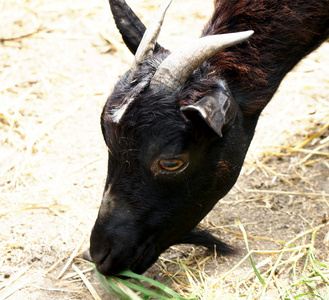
{"points": [[285, 31]]}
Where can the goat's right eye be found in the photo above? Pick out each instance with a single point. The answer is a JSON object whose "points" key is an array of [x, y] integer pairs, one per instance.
{"points": [[171, 164]]}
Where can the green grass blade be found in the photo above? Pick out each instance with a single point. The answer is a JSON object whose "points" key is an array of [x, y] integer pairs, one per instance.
{"points": [[140, 284], [256, 271], [129, 293], [121, 294], [111, 286], [301, 295], [157, 284], [115, 290], [142, 289], [251, 260]]}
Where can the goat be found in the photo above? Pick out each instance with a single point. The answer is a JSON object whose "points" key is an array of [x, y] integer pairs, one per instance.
{"points": [[178, 125]]}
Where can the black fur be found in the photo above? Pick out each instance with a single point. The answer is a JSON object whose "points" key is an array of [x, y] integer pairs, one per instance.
{"points": [[146, 209]]}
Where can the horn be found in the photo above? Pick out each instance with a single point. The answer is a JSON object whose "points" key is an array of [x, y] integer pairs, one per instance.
{"points": [[146, 46], [179, 65]]}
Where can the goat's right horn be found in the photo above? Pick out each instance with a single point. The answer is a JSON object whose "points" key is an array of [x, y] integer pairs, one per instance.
{"points": [[179, 65], [146, 47]]}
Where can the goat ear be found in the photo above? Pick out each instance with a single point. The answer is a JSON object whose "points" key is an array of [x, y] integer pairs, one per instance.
{"points": [[218, 110], [130, 26]]}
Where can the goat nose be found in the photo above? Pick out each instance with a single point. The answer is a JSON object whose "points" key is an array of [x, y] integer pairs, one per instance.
{"points": [[110, 248], [100, 255], [112, 260], [101, 243], [86, 256]]}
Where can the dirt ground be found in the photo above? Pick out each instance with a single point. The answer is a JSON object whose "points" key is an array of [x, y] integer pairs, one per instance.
{"points": [[59, 61]]}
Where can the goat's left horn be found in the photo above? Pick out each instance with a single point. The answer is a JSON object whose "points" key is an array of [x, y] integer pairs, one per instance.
{"points": [[149, 40], [179, 65]]}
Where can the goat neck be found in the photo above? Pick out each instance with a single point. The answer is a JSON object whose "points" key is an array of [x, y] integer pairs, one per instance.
{"points": [[285, 32]]}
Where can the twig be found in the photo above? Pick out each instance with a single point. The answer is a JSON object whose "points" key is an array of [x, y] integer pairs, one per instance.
{"points": [[286, 192], [314, 152], [54, 265], [86, 282], [14, 288], [74, 274], [255, 237], [74, 253], [310, 138], [17, 276]]}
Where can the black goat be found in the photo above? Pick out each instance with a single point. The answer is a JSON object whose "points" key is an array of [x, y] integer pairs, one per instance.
{"points": [[178, 125]]}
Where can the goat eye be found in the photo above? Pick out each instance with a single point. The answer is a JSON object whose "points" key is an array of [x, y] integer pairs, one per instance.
{"points": [[171, 164]]}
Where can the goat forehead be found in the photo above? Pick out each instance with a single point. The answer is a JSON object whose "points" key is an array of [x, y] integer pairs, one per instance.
{"points": [[130, 143], [148, 123], [143, 115], [139, 98], [155, 137]]}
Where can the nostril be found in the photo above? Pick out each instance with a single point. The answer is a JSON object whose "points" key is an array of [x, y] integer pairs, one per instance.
{"points": [[111, 260], [105, 257], [100, 256], [112, 247]]}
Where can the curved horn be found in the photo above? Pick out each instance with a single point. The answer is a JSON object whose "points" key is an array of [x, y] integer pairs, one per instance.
{"points": [[149, 39], [179, 65]]}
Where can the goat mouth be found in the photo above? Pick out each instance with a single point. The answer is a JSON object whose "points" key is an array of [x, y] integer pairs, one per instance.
{"points": [[138, 259], [142, 262]]}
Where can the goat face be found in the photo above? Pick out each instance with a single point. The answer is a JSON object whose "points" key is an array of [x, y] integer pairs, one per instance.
{"points": [[176, 145], [166, 170], [176, 136]]}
